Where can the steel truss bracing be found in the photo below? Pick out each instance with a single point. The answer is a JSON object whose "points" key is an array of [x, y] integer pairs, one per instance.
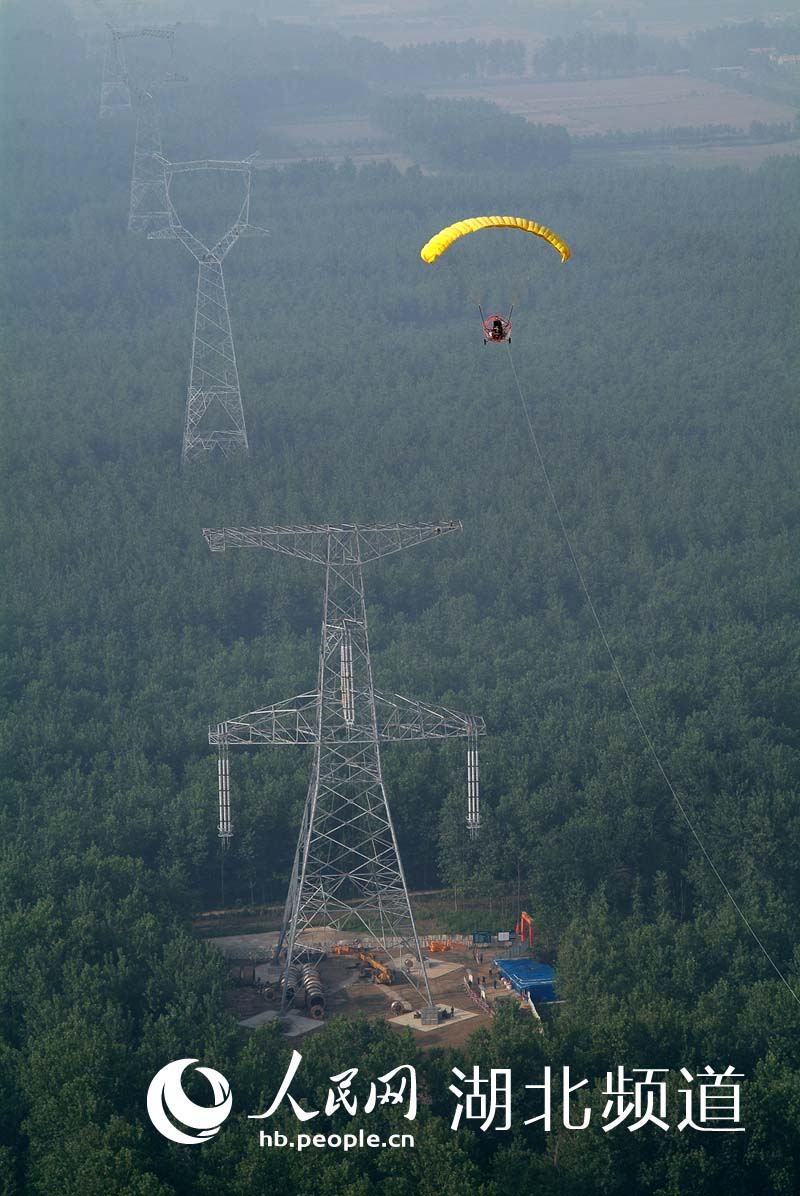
{"points": [[149, 211], [214, 412], [347, 872]]}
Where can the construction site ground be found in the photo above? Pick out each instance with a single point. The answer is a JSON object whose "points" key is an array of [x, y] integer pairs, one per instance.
{"points": [[348, 994]]}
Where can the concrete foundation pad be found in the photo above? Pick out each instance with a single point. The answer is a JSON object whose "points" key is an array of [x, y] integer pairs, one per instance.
{"points": [[294, 1024], [408, 1019], [438, 966]]}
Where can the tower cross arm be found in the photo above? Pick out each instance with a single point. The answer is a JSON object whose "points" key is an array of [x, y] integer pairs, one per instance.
{"points": [[240, 165], [165, 32], [346, 543], [381, 541], [241, 226], [400, 718], [305, 542], [292, 721]]}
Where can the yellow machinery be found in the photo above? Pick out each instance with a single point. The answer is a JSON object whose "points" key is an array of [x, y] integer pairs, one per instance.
{"points": [[381, 972]]}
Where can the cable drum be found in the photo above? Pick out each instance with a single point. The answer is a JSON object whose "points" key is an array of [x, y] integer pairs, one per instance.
{"points": [[315, 994], [291, 981]]}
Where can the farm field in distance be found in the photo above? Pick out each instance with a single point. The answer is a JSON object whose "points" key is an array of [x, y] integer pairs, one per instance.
{"points": [[630, 104], [584, 107]]}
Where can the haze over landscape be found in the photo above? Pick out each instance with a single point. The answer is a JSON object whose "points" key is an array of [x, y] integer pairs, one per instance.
{"points": [[659, 369]]}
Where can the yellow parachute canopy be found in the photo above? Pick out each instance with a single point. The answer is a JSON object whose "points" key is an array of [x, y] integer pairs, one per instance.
{"points": [[447, 236]]}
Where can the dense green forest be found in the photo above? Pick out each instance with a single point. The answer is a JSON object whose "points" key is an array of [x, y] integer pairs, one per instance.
{"points": [[662, 368], [455, 134]]}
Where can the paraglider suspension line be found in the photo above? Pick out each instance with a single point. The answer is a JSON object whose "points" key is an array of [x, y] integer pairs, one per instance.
{"points": [[621, 679]]}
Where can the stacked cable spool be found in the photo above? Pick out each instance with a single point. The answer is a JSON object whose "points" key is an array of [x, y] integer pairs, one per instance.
{"points": [[292, 981], [315, 994]]}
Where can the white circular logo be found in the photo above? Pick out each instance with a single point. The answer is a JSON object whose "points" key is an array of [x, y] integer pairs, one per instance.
{"points": [[165, 1095]]}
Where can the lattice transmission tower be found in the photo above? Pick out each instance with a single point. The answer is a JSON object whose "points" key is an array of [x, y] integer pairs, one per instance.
{"points": [[214, 412], [347, 871], [115, 88], [114, 92], [149, 207]]}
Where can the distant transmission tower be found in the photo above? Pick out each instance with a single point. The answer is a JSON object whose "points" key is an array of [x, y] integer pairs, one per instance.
{"points": [[347, 872], [115, 94], [149, 207], [115, 89], [214, 412]]}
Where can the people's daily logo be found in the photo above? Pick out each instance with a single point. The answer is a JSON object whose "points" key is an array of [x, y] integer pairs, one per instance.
{"points": [[168, 1103], [636, 1097]]}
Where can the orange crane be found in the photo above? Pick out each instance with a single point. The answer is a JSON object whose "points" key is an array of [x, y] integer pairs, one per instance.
{"points": [[524, 928]]}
